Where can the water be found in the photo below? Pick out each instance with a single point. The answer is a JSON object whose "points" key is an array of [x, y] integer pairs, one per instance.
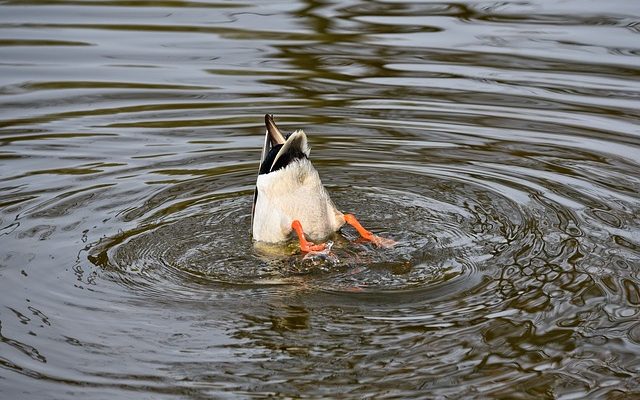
{"points": [[496, 142]]}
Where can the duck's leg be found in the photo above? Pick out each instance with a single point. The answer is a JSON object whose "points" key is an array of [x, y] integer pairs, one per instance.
{"points": [[305, 245], [377, 240]]}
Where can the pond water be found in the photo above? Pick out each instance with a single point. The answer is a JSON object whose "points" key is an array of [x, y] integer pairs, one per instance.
{"points": [[497, 142]]}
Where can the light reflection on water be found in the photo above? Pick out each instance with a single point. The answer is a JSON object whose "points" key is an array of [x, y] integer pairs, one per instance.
{"points": [[496, 142]]}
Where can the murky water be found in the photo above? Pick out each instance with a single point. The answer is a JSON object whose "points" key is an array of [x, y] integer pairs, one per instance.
{"points": [[497, 142]]}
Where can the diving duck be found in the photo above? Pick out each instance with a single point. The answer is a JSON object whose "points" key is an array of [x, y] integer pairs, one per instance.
{"points": [[290, 197]]}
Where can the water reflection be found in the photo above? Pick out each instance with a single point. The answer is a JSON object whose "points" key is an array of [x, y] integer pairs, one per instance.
{"points": [[496, 142]]}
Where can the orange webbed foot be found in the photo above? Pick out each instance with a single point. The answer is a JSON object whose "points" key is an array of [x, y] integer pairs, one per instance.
{"points": [[310, 247], [305, 245], [377, 240], [382, 241]]}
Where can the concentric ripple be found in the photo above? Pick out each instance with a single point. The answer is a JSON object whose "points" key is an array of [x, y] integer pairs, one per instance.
{"points": [[444, 234]]}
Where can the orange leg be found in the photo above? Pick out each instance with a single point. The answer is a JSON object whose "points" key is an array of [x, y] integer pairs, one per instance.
{"points": [[305, 245], [377, 240]]}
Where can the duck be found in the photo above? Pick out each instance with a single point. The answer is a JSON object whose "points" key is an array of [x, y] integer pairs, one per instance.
{"points": [[290, 197]]}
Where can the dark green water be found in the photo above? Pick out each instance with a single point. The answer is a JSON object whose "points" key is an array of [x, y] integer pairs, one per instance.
{"points": [[497, 142]]}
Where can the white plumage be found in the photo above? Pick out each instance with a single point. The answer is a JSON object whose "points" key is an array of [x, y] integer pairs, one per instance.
{"points": [[294, 192], [290, 197]]}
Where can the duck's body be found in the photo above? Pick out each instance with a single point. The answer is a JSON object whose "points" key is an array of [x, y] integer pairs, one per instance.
{"points": [[294, 192], [290, 197]]}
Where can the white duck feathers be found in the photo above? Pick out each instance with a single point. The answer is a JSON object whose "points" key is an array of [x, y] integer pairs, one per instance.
{"points": [[289, 188]]}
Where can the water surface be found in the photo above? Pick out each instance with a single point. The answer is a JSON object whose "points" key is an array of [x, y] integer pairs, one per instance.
{"points": [[496, 142]]}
